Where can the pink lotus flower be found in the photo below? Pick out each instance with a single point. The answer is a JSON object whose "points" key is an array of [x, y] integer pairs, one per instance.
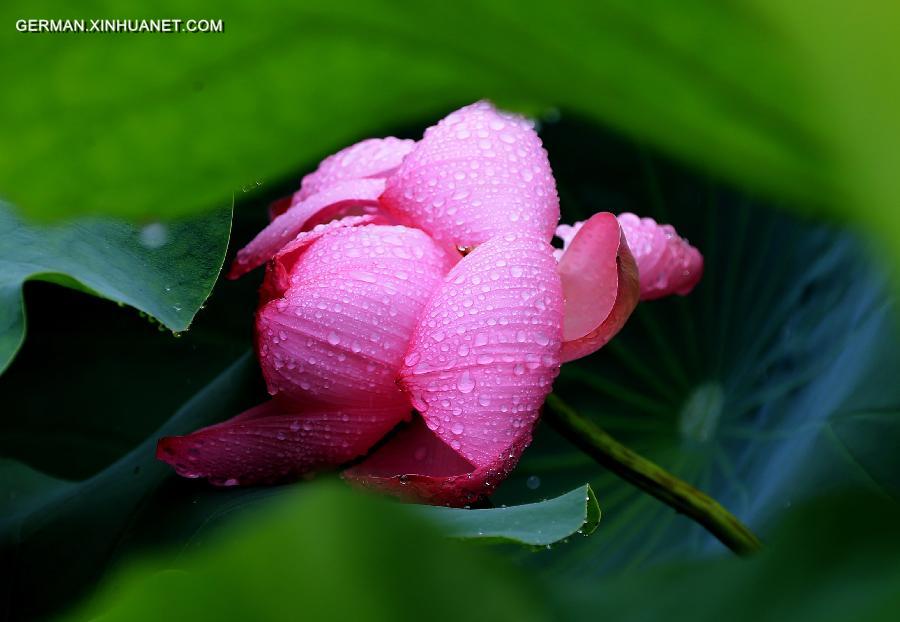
{"points": [[414, 314]]}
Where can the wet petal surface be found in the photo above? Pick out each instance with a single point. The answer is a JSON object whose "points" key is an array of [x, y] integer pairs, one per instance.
{"points": [[368, 159], [600, 284], [333, 202], [479, 366], [477, 173], [666, 262], [416, 465], [339, 333], [277, 441]]}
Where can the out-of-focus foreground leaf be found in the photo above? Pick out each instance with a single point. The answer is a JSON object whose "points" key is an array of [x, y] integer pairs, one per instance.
{"points": [[166, 271], [833, 560], [161, 124], [794, 98], [324, 553], [536, 524], [849, 60]]}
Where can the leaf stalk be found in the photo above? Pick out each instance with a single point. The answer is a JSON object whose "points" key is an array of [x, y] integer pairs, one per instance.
{"points": [[650, 477]]}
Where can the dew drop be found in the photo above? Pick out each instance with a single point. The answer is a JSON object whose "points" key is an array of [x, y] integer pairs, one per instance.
{"points": [[465, 383]]}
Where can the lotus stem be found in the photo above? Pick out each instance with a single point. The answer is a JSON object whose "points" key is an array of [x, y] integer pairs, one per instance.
{"points": [[650, 477]]}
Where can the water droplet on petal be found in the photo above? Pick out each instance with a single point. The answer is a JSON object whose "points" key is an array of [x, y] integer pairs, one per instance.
{"points": [[465, 383]]}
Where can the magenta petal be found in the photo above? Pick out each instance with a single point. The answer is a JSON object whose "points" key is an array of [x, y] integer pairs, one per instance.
{"points": [[278, 271], [335, 200], [484, 356], [353, 298], [418, 466], [600, 284], [369, 159], [481, 361], [667, 264], [477, 173], [277, 441]]}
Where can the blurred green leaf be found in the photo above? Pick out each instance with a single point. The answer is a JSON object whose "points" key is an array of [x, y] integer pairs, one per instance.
{"points": [[167, 124], [848, 59], [772, 382], [536, 524], [164, 270], [326, 554], [833, 560]]}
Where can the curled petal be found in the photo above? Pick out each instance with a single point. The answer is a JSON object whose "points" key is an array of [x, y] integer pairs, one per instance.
{"points": [[278, 271], [599, 282], [333, 202], [277, 441], [370, 159], [477, 173], [279, 207], [479, 366], [339, 332], [666, 262]]}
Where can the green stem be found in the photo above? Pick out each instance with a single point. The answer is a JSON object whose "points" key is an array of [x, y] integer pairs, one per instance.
{"points": [[649, 477]]}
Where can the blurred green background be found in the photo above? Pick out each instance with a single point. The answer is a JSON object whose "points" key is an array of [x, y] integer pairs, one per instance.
{"points": [[765, 131]]}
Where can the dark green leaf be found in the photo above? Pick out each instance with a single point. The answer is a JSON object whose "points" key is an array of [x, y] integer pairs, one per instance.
{"points": [[536, 524], [164, 270], [80, 525]]}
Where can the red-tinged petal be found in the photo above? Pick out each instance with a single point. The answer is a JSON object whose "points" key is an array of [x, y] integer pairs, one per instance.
{"points": [[480, 363], [278, 271], [600, 284], [277, 441], [279, 207], [476, 174], [416, 465], [667, 263], [370, 159], [339, 332], [589, 273], [627, 297], [333, 202]]}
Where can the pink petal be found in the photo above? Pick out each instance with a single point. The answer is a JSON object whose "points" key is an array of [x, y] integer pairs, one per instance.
{"points": [[279, 207], [370, 159], [600, 284], [339, 332], [416, 465], [481, 362], [477, 173], [278, 271], [334, 201], [276, 441], [667, 264]]}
